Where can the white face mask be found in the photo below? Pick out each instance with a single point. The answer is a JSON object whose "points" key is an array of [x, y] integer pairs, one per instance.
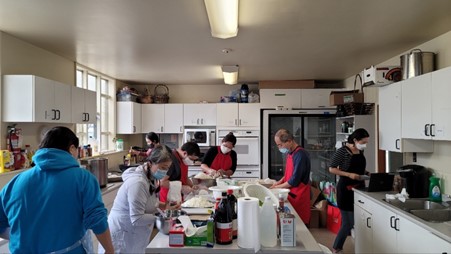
{"points": [[188, 161], [360, 146], [225, 149]]}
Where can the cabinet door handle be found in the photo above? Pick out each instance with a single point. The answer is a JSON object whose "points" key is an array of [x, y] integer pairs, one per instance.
{"points": [[161, 128], [84, 118], [397, 224], [181, 130], [134, 129], [87, 117], [360, 201], [59, 114], [197, 120], [236, 122], [54, 114], [397, 144], [426, 127], [240, 122], [392, 222], [202, 121], [432, 132], [368, 225]]}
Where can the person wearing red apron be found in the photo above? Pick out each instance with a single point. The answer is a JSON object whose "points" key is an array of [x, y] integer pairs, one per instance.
{"points": [[221, 160], [181, 158], [297, 174]]}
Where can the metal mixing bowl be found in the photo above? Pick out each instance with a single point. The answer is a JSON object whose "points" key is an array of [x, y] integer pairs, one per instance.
{"points": [[165, 222]]}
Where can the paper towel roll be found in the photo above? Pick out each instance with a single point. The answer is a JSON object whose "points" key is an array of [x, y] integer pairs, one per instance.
{"points": [[248, 223]]}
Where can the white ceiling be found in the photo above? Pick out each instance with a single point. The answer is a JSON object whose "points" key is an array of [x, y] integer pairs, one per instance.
{"points": [[169, 41]]}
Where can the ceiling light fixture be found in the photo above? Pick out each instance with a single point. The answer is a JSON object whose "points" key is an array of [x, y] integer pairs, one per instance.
{"points": [[223, 17], [230, 74]]}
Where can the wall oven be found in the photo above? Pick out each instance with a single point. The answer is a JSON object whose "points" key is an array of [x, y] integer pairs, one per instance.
{"points": [[247, 148]]}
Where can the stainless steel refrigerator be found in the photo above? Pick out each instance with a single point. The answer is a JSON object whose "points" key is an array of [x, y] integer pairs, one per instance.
{"points": [[313, 129]]}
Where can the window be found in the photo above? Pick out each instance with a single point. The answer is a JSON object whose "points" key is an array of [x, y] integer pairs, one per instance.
{"points": [[102, 132]]}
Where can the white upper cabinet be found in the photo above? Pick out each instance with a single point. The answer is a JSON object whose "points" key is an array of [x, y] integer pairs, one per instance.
{"points": [[128, 117], [84, 106], [287, 98], [425, 106], [201, 114], [390, 123], [162, 118], [41, 100], [417, 107], [173, 118], [316, 98], [152, 116], [441, 104], [238, 114]]}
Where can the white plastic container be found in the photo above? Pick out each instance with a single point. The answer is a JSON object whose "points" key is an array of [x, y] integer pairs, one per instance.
{"points": [[268, 222], [119, 145]]}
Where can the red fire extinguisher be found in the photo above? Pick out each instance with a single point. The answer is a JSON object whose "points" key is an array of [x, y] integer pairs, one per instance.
{"points": [[12, 140]]}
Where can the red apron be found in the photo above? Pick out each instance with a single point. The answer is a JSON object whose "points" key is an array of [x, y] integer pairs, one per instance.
{"points": [[301, 198], [183, 177], [222, 161]]}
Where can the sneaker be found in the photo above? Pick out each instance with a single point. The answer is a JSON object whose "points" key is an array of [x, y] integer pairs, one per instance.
{"points": [[352, 233], [338, 251]]}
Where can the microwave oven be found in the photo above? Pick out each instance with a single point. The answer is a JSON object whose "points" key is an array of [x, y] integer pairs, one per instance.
{"points": [[203, 137]]}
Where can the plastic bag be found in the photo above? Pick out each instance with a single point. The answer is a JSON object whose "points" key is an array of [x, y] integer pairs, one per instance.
{"points": [[175, 192], [253, 98]]}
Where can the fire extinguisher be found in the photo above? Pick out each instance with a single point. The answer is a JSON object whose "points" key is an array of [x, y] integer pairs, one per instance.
{"points": [[12, 139]]}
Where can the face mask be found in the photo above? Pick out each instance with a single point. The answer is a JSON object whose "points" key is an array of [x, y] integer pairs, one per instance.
{"points": [[151, 145], [225, 149], [360, 146], [159, 174], [284, 150], [188, 161]]}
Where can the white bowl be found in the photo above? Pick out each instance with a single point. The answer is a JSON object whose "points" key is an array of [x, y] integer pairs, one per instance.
{"points": [[218, 190]]}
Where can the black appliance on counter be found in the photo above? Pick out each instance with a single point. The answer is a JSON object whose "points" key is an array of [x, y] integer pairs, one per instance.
{"points": [[415, 179]]}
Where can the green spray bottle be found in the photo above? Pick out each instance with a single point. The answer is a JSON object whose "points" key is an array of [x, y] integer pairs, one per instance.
{"points": [[435, 192]]}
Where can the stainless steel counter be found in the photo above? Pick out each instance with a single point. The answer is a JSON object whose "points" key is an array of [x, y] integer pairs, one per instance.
{"points": [[441, 229], [305, 243]]}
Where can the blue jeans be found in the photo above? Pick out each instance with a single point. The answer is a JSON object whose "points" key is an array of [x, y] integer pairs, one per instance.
{"points": [[347, 223]]}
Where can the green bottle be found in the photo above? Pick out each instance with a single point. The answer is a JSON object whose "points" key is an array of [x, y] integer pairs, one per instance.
{"points": [[435, 193]]}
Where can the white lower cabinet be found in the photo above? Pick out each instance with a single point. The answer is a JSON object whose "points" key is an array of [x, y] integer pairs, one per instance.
{"points": [[363, 225], [396, 234]]}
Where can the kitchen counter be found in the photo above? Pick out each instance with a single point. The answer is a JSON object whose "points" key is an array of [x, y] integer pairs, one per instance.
{"points": [[305, 243], [441, 229]]}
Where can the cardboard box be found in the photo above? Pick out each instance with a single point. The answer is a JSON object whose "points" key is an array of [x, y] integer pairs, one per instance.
{"points": [[176, 236], [314, 193], [333, 219], [315, 214], [322, 208], [286, 84], [341, 97]]}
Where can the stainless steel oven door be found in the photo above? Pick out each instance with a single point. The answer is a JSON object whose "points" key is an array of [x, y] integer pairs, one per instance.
{"points": [[247, 150]]}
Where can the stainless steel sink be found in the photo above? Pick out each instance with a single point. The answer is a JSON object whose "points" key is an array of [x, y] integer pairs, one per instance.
{"points": [[415, 204], [439, 215], [424, 209]]}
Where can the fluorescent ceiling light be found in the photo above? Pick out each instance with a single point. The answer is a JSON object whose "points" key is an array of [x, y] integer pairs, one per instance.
{"points": [[230, 74], [223, 17]]}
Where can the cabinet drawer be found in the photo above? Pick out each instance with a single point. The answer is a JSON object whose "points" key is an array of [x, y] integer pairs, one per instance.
{"points": [[363, 202]]}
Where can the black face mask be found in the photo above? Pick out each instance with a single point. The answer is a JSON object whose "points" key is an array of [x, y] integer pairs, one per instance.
{"points": [[151, 146]]}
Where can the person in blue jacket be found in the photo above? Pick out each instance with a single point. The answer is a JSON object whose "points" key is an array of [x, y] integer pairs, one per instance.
{"points": [[52, 206]]}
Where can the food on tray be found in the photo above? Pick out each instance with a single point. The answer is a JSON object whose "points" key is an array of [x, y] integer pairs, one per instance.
{"points": [[197, 202], [202, 175]]}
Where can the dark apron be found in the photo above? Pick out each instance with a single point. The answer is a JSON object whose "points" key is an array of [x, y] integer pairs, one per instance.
{"points": [[345, 195]]}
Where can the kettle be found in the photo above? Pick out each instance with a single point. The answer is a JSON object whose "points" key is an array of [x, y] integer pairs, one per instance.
{"points": [[415, 178]]}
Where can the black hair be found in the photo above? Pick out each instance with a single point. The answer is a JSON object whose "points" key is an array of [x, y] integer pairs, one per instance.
{"points": [[358, 134], [59, 137], [152, 136], [230, 138], [191, 148]]}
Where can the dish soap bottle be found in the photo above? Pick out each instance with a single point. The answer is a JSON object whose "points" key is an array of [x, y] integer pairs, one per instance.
{"points": [[435, 193]]}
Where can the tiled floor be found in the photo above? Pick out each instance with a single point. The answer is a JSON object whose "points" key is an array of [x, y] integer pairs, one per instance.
{"points": [[326, 238]]}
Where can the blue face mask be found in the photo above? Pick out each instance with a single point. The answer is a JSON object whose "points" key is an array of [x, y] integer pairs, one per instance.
{"points": [[284, 150], [159, 174]]}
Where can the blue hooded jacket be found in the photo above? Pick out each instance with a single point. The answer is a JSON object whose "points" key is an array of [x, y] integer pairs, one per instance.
{"points": [[50, 206]]}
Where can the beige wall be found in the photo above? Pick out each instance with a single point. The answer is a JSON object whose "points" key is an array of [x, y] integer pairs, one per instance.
{"points": [[438, 160]]}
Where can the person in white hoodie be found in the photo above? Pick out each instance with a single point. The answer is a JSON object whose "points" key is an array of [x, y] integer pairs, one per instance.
{"points": [[132, 218]]}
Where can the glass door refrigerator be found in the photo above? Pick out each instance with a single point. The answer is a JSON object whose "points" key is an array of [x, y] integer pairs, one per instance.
{"points": [[314, 130]]}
